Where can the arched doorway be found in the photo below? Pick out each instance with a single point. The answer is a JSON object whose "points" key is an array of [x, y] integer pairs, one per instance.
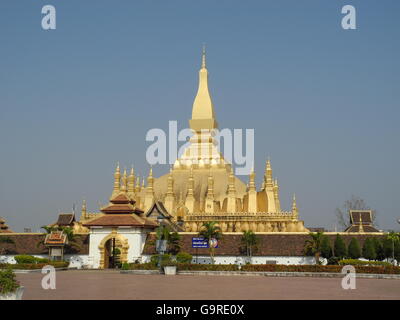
{"points": [[113, 251]]}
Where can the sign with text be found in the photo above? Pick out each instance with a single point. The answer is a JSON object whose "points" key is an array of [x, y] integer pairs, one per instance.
{"points": [[203, 243], [199, 243]]}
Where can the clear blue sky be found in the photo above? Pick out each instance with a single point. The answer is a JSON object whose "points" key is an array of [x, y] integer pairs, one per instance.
{"points": [[324, 102]]}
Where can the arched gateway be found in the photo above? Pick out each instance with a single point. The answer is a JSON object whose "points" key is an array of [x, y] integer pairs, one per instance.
{"points": [[120, 231]]}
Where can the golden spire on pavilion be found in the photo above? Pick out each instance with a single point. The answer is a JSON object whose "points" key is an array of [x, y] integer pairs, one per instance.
{"points": [[203, 116], [117, 181]]}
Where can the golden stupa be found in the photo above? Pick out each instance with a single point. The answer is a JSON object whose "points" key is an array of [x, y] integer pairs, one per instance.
{"points": [[201, 185]]}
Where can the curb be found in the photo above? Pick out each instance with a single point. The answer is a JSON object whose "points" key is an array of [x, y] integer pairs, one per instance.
{"points": [[140, 272], [268, 274], [39, 270]]}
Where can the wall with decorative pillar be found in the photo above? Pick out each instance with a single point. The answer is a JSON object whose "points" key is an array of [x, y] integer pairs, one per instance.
{"points": [[131, 240]]}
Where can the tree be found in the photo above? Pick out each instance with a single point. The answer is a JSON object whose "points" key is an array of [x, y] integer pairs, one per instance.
{"points": [[209, 231], [173, 239], [354, 203], [393, 237], [378, 245], [250, 241], [354, 250], [368, 250], [6, 240], [397, 252], [68, 231], [387, 248], [174, 243], [326, 249], [340, 247], [313, 246]]}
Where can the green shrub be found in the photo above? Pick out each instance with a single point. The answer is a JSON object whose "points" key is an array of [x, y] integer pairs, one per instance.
{"points": [[340, 247], [326, 250], [33, 266], [380, 254], [125, 266], [184, 257], [381, 269], [356, 262], [368, 250], [387, 245], [207, 267], [29, 259], [25, 259], [333, 261], [142, 266], [164, 259], [8, 282], [354, 250]]}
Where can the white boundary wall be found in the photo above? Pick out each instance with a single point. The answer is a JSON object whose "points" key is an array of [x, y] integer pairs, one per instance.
{"points": [[295, 260], [75, 260]]}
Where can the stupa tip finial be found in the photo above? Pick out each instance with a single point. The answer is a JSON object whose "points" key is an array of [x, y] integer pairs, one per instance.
{"points": [[203, 57]]}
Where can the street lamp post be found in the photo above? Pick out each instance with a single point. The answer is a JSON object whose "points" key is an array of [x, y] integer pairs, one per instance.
{"points": [[160, 243]]}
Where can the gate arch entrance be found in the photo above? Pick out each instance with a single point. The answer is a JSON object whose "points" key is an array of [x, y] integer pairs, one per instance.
{"points": [[108, 250]]}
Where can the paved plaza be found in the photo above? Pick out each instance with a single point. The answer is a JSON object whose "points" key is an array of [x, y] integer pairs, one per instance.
{"points": [[110, 284]]}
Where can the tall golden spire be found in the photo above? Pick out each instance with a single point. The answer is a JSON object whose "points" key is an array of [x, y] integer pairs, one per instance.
{"points": [[117, 181], [170, 184], [150, 180], [361, 228], [203, 116], [268, 174], [124, 186], [191, 183], [294, 206], [137, 187], [131, 182], [231, 183], [252, 182], [83, 212]]}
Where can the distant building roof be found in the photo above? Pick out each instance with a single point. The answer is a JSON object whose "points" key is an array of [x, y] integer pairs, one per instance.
{"points": [[361, 221], [55, 238], [65, 219], [3, 227]]}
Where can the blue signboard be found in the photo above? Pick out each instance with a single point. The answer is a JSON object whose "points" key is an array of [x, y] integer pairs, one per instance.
{"points": [[199, 243], [203, 243]]}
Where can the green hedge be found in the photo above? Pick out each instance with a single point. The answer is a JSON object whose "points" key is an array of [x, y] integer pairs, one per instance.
{"points": [[319, 268], [23, 258], [140, 266], [184, 257], [207, 267], [33, 266], [355, 262], [184, 266]]}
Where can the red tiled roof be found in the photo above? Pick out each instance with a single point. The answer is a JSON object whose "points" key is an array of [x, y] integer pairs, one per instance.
{"points": [[119, 208], [120, 198], [55, 238], [121, 220]]}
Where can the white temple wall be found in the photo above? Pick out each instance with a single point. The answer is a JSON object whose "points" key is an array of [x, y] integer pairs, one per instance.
{"points": [[295, 260], [136, 239]]}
